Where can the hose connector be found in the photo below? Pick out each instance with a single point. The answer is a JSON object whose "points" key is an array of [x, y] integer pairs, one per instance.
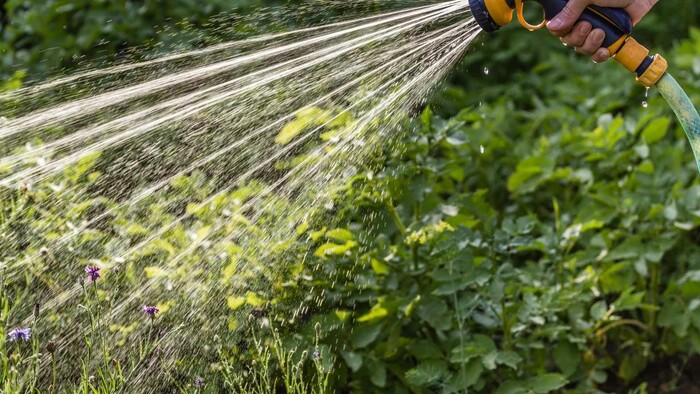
{"points": [[635, 58], [653, 74]]}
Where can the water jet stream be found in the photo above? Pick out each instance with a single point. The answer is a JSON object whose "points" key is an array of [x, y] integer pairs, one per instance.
{"points": [[349, 83]]}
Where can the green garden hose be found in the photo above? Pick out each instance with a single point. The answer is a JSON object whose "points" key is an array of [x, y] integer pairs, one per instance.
{"points": [[684, 109]]}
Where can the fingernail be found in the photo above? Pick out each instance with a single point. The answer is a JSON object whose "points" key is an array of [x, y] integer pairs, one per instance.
{"points": [[555, 23]]}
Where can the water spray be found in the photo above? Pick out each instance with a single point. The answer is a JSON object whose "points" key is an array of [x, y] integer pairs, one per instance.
{"points": [[650, 70]]}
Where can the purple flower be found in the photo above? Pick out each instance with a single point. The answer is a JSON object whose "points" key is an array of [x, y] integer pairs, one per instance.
{"points": [[317, 354], [93, 273], [19, 334], [199, 382], [151, 310]]}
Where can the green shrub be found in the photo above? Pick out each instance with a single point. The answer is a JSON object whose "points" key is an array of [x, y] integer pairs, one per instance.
{"points": [[547, 240]]}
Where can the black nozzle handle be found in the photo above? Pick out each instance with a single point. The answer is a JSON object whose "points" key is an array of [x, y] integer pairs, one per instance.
{"points": [[615, 22]]}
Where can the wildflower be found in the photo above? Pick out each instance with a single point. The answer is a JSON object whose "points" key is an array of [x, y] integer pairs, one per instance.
{"points": [[199, 382], [51, 347], [317, 354], [151, 310], [93, 273], [20, 334]]}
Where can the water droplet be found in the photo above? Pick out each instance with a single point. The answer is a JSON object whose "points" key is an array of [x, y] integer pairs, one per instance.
{"points": [[646, 93], [482, 149], [486, 71], [645, 104]]}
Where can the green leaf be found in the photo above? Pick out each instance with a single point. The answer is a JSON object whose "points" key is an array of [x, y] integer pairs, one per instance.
{"points": [[598, 310], [379, 267], [631, 366], [353, 360], [567, 357], [628, 300], [234, 302], [365, 334], [340, 234], [631, 248], [253, 299], [489, 360], [427, 372], [618, 277], [467, 376], [675, 316], [480, 345], [547, 383], [333, 249], [512, 387], [434, 311], [307, 117], [509, 358], [528, 173], [376, 313], [426, 117], [656, 130], [424, 349], [82, 166], [450, 288], [377, 373], [155, 272]]}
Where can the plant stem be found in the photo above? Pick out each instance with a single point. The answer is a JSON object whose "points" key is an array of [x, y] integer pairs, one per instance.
{"points": [[655, 284], [395, 216], [623, 322], [505, 326]]}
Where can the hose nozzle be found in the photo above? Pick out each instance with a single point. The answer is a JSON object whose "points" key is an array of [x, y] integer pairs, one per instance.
{"points": [[491, 15]]}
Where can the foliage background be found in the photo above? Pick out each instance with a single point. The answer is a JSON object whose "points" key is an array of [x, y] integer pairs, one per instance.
{"points": [[573, 234]]}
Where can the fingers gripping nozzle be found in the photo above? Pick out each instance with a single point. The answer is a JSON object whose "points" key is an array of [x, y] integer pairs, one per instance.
{"points": [[491, 15]]}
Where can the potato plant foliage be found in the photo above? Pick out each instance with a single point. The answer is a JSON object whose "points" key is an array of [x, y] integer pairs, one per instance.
{"points": [[544, 241]]}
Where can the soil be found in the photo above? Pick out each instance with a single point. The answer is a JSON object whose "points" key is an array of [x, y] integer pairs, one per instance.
{"points": [[665, 376]]}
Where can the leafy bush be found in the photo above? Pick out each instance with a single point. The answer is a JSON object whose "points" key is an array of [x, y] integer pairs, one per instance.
{"points": [[48, 36], [520, 250]]}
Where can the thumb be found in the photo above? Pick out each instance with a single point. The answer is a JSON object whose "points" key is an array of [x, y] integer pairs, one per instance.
{"points": [[564, 21]]}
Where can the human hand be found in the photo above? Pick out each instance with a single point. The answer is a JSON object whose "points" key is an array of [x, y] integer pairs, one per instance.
{"points": [[582, 36]]}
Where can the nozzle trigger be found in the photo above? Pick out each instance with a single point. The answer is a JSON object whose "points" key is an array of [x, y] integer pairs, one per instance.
{"points": [[519, 9]]}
